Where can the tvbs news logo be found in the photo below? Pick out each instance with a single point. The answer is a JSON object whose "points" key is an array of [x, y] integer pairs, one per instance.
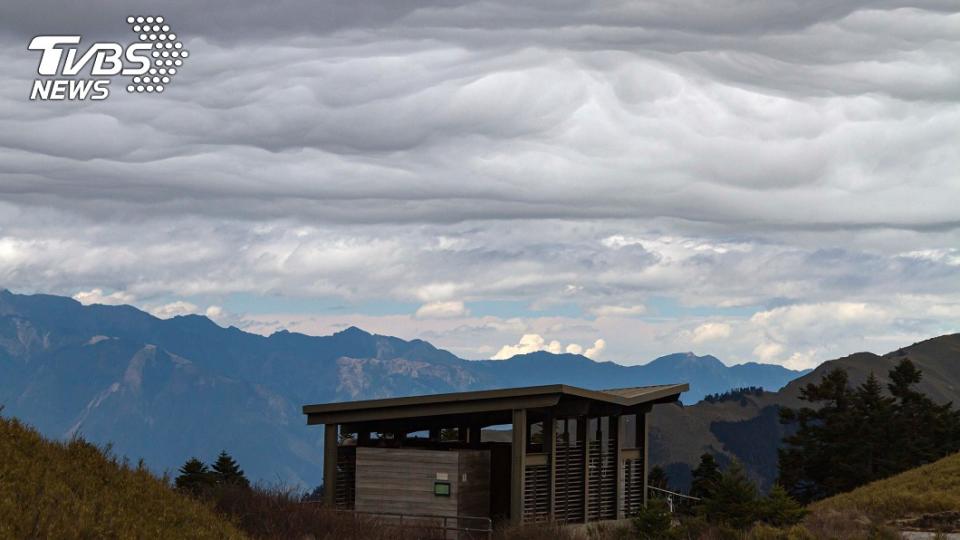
{"points": [[150, 63]]}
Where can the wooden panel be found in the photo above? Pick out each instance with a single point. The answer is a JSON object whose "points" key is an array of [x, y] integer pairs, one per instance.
{"points": [[602, 479], [632, 486], [330, 463], [536, 494], [346, 484], [401, 480], [474, 483], [568, 495], [518, 450]]}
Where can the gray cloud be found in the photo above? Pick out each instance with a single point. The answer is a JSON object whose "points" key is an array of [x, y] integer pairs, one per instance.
{"points": [[600, 154]]}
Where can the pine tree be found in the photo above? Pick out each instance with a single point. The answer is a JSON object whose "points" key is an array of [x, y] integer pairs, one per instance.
{"points": [[705, 477], [781, 510], [225, 471], [734, 501], [194, 477], [808, 459], [858, 436]]}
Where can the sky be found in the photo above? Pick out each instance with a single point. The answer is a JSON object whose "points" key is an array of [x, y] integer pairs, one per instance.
{"points": [[763, 181]]}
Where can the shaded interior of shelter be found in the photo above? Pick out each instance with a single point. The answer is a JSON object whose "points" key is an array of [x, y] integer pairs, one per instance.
{"points": [[526, 454]]}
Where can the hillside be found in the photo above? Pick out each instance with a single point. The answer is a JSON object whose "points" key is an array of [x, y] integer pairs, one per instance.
{"points": [[167, 389], [749, 429], [922, 493], [72, 490]]}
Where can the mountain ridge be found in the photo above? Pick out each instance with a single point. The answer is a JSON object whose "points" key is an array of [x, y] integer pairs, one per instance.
{"points": [[168, 389]]}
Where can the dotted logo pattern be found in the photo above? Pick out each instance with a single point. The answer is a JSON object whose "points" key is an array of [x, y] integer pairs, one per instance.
{"points": [[168, 53]]}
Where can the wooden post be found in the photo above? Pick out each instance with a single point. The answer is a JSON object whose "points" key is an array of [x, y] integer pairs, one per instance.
{"points": [[462, 431], [619, 428], [583, 434], [550, 449], [646, 451], [435, 435], [476, 433], [518, 449], [330, 444]]}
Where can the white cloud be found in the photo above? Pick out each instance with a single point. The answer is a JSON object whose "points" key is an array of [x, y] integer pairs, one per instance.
{"points": [[710, 331], [442, 310], [594, 352], [173, 309], [535, 342], [97, 296], [618, 311]]}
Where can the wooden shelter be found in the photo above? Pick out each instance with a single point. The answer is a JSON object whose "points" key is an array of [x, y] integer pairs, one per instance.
{"points": [[571, 454]]}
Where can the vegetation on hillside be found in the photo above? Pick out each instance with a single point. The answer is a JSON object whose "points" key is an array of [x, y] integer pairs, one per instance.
{"points": [[75, 490], [734, 394], [857, 435], [929, 489]]}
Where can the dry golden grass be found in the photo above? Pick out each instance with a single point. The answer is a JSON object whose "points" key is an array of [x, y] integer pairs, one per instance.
{"points": [[928, 489], [74, 490]]}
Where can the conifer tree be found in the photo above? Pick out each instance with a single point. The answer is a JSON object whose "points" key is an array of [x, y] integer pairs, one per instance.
{"points": [[734, 501], [781, 510], [705, 477], [859, 435], [194, 477], [225, 471]]}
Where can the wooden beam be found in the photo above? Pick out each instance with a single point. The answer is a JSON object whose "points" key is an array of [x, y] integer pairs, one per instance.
{"points": [[618, 424], [330, 445], [550, 449], [642, 424], [429, 409], [583, 434], [476, 434], [518, 450]]}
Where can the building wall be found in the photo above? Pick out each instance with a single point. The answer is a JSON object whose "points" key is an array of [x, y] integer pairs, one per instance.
{"points": [[401, 481]]}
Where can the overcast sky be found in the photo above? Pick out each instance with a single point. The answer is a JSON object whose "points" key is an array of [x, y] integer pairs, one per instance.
{"points": [[773, 181]]}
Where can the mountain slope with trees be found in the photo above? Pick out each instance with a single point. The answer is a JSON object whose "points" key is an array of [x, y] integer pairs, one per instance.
{"points": [[748, 429]]}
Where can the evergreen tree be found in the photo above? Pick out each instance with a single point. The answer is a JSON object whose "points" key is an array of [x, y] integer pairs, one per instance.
{"points": [[781, 510], [225, 471], [194, 477], [705, 477], [653, 521], [734, 501], [859, 435], [809, 457]]}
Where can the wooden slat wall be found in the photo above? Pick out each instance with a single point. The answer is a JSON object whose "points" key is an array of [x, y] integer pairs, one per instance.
{"points": [[568, 498], [400, 480], [602, 496], [536, 495], [633, 486], [346, 492]]}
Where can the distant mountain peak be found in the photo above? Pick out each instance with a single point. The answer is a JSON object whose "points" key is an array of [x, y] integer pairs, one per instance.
{"points": [[689, 359], [352, 331]]}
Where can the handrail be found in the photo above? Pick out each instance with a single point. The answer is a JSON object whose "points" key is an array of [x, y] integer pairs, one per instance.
{"points": [[673, 493]]}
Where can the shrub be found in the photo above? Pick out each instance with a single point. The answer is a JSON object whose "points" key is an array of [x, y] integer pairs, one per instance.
{"points": [[652, 522]]}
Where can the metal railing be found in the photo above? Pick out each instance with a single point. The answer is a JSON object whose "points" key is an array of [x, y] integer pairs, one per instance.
{"points": [[669, 496], [461, 527]]}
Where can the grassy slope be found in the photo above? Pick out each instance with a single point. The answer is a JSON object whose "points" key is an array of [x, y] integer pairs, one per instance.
{"points": [[932, 488], [72, 490]]}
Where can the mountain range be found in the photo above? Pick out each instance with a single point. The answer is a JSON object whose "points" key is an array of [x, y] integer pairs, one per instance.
{"points": [[747, 428], [167, 389]]}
